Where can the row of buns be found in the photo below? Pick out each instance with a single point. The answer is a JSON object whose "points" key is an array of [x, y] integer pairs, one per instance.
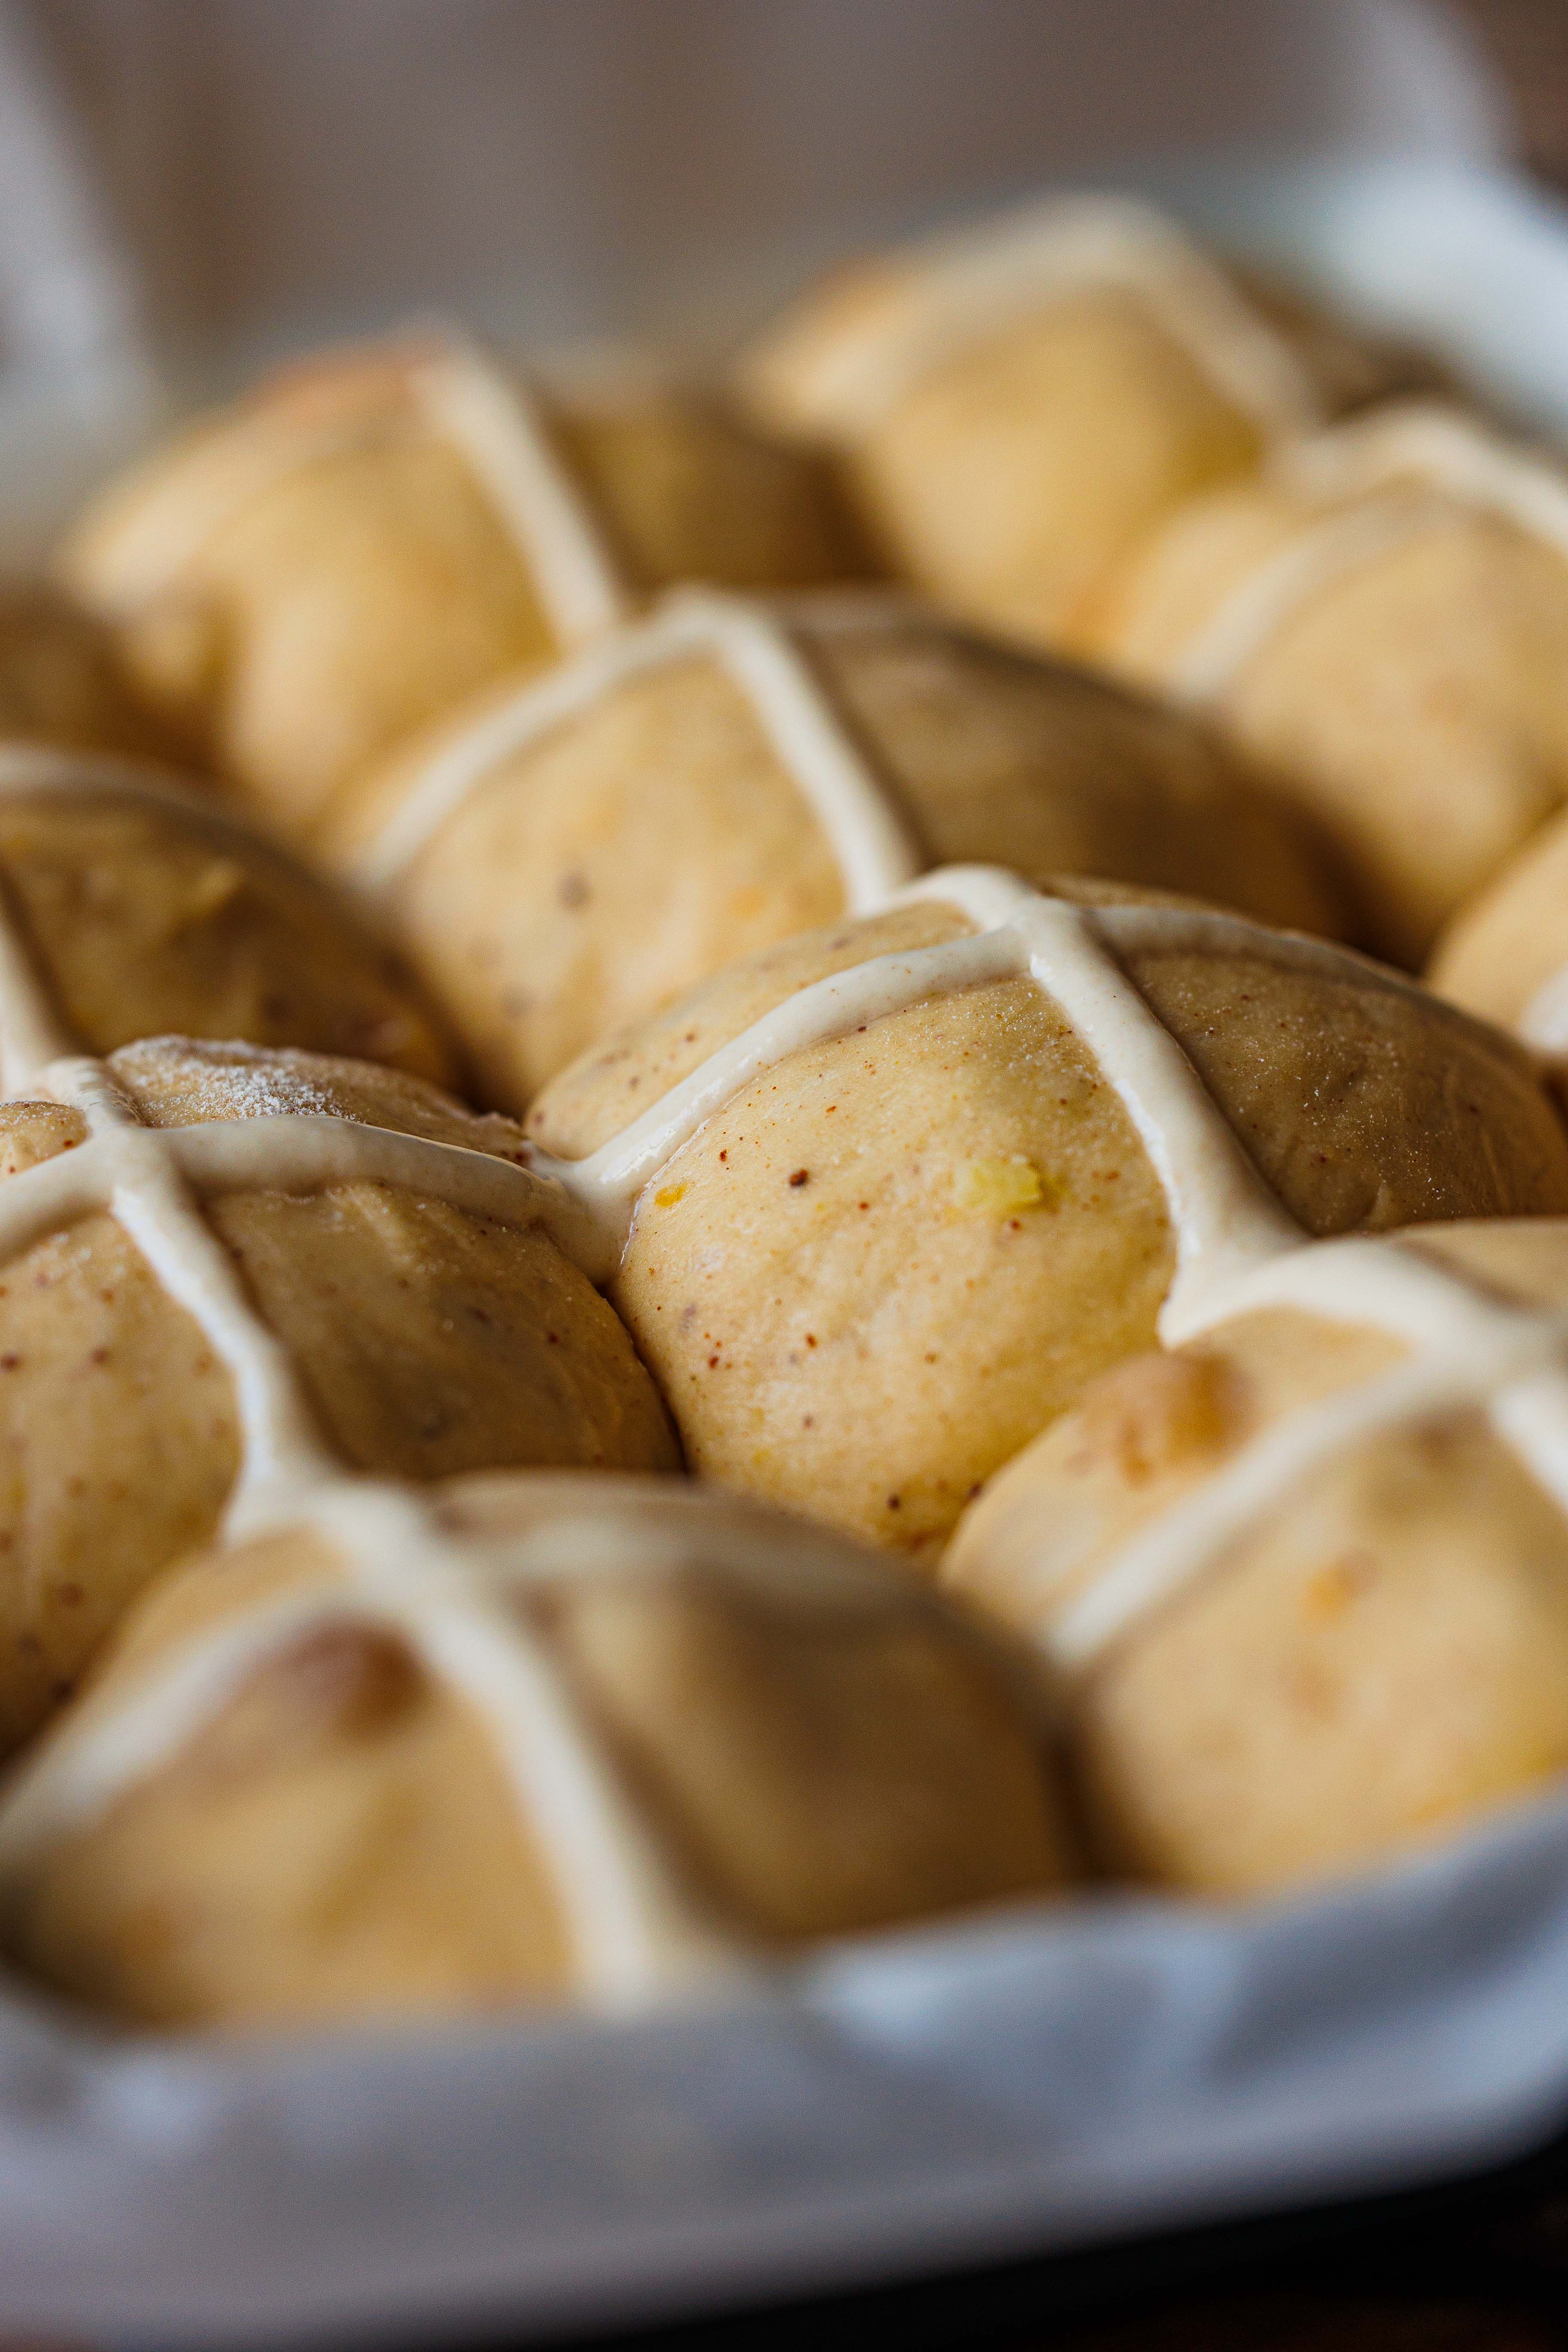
{"points": [[807, 931]]}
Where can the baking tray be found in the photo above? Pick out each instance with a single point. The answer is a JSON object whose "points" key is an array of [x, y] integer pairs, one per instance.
{"points": [[1050, 2078]]}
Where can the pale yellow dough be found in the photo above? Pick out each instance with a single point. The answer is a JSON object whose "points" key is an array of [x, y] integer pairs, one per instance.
{"points": [[1374, 1655], [786, 1740], [656, 832], [425, 1339], [303, 579], [883, 1262], [1012, 428], [1505, 954], [1397, 646]]}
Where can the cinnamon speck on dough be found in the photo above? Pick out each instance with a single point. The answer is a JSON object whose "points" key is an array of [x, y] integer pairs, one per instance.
{"points": [[801, 1176]]}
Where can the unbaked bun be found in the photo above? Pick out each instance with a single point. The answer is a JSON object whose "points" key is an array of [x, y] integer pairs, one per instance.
{"points": [[1505, 954], [568, 856], [130, 907], [1304, 1581], [313, 573], [227, 1274], [887, 1198], [527, 1739], [1382, 620], [1018, 404], [61, 680]]}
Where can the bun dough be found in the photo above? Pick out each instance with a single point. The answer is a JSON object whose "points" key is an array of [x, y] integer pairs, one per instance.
{"points": [[1505, 954], [131, 908], [525, 1739], [1019, 403], [61, 680], [1381, 621], [327, 566], [881, 1202], [227, 1275], [568, 856], [1304, 1582]]}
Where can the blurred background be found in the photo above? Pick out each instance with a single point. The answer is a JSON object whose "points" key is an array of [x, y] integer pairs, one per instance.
{"points": [[190, 185], [256, 170]]}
